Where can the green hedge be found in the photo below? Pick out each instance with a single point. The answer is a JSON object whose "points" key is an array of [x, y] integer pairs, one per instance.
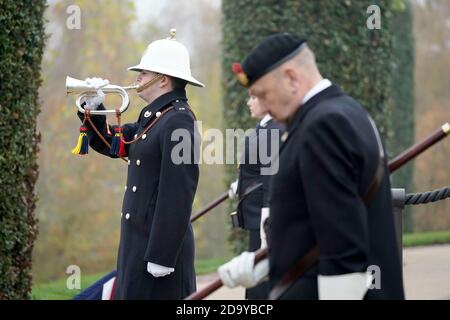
{"points": [[348, 53], [21, 47], [403, 101]]}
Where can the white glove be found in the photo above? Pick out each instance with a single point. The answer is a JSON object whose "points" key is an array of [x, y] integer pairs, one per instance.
{"points": [[351, 286], [158, 271], [92, 102], [265, 212], [96, 83], [242, 270], [233, 189]]}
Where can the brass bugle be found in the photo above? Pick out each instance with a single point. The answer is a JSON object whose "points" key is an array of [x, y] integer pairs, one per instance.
{"points": [[80, 87]]}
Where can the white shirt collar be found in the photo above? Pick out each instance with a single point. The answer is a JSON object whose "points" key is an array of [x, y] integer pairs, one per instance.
{"points": [[320, 86], [264, 120]]}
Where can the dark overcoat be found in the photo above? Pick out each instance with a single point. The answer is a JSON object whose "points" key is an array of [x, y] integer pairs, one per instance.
{"points": [[157, 204], [259, 148], [254, 159], [327, 162]]}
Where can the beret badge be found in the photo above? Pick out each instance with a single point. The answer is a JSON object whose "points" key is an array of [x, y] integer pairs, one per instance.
{"points": [[240, 74]]}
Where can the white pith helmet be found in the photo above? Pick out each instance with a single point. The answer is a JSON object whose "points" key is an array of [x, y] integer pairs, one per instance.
{"points": [[169, 57]]}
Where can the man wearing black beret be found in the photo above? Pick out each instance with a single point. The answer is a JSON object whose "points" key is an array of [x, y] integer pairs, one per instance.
{"points": [[330, 200]]}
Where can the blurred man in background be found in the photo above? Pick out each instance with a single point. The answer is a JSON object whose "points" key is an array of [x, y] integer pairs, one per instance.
{"points": [[253, 206]]}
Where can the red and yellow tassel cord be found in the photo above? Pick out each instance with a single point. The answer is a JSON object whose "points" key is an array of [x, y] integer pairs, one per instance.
{"points": [[82, 146]]}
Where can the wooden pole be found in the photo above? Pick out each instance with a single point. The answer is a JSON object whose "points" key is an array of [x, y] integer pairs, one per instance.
{"points": [[210, 206]]}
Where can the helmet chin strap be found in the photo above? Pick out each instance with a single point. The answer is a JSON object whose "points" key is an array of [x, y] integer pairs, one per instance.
{"points": [[149, 83]]}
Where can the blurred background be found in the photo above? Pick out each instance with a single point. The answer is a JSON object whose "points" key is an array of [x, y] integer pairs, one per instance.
{"points": [[80, 197]]}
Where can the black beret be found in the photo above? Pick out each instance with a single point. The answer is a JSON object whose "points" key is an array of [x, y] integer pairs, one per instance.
{"points": [[272, 52]]}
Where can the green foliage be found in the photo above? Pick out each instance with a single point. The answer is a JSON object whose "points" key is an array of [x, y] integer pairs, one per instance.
{"points": [[403, 115], [21, 46], [348, 53]]}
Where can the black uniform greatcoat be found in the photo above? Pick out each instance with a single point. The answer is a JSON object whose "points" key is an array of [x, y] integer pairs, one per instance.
{"points": [[327, 162], [156, 210], [249, 209], [250, 174]]}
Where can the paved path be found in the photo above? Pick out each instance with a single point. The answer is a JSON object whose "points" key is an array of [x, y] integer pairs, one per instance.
{"points": [[223, 293], [427, 272], [426, 275]]}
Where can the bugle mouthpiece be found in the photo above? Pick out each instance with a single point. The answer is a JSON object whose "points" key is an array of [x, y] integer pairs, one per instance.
{"points": [[133, 86]]}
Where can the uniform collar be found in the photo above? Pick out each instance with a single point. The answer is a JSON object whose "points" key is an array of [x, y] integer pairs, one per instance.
{"points": [[159, 103], [320, 86], [265, 120]]}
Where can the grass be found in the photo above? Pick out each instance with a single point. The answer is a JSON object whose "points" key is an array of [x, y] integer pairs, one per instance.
{"points": [[57, 290], [426, 238], [209, 265]]}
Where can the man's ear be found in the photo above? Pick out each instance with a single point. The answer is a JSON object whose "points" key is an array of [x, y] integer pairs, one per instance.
{"points": [[292, 78], [165, 81]]}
